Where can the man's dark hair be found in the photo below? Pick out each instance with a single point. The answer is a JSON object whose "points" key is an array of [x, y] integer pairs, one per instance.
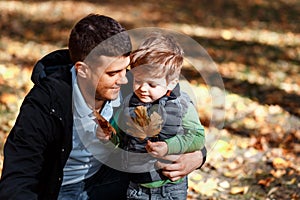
{"points": [[100, 31]]}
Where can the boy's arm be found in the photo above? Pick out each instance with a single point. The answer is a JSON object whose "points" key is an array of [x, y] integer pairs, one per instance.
{"points": [[194, 137], [116, 138]]}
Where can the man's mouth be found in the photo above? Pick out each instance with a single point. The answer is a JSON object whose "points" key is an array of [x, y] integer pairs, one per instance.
{"points": [[115, 88]]}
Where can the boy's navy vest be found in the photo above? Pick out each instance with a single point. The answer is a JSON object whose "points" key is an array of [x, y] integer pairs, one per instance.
{"points": [[171, 107]]}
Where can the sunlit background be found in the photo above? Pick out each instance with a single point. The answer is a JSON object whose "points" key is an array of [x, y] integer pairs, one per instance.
{"points": [[256, 47]]}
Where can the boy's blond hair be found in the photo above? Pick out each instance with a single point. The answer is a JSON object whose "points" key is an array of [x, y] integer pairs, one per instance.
{"points": [[160, 56]]}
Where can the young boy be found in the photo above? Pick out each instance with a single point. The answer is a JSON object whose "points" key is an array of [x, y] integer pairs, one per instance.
{"points": [[156, 120]]}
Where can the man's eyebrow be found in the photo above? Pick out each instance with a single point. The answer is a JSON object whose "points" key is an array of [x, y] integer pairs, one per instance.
{"points": [[115, 71]]}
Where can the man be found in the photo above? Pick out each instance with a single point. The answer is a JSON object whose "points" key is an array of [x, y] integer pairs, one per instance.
{"points": [[44, 155]]}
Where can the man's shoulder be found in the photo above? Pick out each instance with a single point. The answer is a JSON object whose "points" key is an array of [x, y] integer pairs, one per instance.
{"points": [[52, 64]]}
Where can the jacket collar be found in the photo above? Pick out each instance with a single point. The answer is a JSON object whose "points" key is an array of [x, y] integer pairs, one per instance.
{"points": [[50, 64]]}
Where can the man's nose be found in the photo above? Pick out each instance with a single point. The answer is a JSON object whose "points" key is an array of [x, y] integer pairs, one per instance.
{"points": [[122, 80]]}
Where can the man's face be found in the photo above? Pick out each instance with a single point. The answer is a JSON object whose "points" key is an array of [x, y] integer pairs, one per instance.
{"points": [[108, 77]]}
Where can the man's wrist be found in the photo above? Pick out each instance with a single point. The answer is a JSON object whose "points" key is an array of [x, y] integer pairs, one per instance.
{"points": [[204, 152]]}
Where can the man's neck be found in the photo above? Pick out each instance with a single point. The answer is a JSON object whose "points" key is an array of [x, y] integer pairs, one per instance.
{"points": [[91, 101], [99, 104]]}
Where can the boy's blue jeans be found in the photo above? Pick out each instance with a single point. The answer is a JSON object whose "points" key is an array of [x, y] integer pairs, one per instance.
{"points": [[168, 191], [107, 183]]}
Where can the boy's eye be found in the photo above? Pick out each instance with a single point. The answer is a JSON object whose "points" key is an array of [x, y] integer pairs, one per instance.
{"points": [[138, 82], [152, 85]]}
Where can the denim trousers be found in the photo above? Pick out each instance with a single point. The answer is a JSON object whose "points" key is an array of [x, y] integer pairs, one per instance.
{"points": [[107, 183], [170, 191]]}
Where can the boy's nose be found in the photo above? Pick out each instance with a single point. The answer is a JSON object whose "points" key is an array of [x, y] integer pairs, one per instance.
{"points": [[144, 87]]}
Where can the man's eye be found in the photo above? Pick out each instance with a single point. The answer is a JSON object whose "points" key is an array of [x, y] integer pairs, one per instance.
{"points": [[112, 73]]}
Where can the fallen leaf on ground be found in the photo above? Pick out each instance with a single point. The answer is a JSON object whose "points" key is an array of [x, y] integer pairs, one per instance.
{"points": [[207, 188], [278, 173], [239, 190], [266, 182], [224, 184], [280, 163]]}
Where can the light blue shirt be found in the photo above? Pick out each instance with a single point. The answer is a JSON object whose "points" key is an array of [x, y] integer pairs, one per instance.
{"points": [[88, 153]]}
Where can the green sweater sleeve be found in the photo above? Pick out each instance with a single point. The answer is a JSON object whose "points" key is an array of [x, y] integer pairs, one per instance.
{"points": [[116, 139], [194, 137]]}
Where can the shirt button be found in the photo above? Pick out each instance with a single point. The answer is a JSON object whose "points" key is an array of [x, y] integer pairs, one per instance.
{"points": [[62, 150], [59, 178]]}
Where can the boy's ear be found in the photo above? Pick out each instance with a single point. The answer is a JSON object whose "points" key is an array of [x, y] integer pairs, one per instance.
{"points": [[81, 69], [172, 84]]}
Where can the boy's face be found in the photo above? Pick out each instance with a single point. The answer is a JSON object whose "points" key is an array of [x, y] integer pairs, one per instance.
{"points": [[149, 89]]}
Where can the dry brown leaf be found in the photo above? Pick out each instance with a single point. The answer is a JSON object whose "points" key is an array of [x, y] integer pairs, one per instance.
{"points": [[207, 188], [155, 125], [266, 182], [104, 124], [292, 181], [8, 98], [142, 118], [278, 173], [224, 184], [144, 126], [274, 189], [239, 190], [280, 163], [234, 173], [224, 148], [197, 177], [135, 130]]}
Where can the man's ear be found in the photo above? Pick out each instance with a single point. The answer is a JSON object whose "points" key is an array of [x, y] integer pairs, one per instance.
{"points": [[81, 69], [172, 84]]}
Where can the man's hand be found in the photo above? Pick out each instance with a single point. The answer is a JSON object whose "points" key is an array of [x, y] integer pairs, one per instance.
{"points": [[181, 165], [157, 149]]}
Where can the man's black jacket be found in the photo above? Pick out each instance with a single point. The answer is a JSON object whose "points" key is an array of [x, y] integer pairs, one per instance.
{"points": [[40, 142]]}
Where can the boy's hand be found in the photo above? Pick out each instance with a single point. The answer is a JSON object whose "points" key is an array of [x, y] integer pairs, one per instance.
{"points": [[101, 135], [157, 149], [104, 129]]}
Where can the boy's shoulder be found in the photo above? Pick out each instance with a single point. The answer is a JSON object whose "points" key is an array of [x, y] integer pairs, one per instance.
{"points": [[185, 101]]}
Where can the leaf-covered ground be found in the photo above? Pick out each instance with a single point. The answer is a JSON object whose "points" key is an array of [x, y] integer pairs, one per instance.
{"points": [[256, 48]]}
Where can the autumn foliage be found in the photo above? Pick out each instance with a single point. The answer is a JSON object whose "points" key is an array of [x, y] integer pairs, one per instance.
{"points": [[256, 48]]}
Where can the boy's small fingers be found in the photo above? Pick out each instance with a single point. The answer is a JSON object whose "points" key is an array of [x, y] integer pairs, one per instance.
{"points": [[147, 148]]}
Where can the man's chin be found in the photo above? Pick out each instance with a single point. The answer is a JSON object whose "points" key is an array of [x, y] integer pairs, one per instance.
{"points": [[109, 97], [114, 96]]}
